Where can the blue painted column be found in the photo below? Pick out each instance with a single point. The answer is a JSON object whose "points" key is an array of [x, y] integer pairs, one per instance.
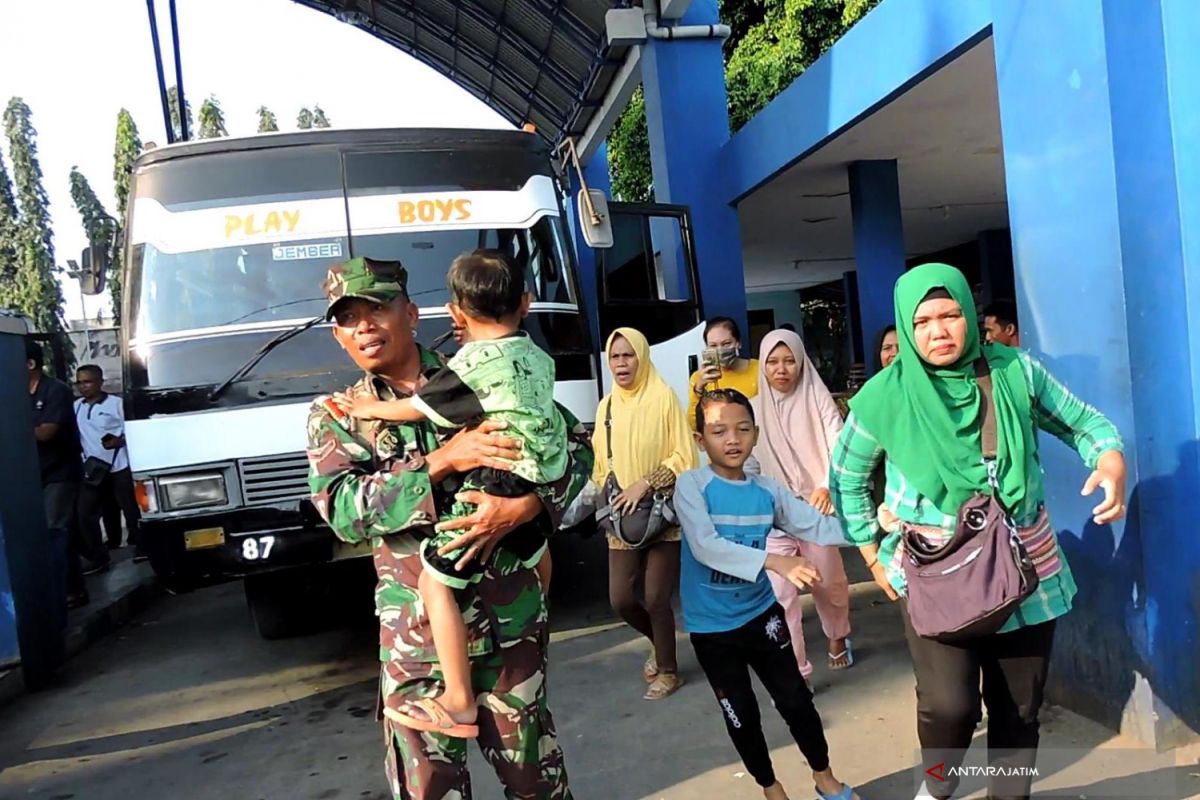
{"points": [[688, 123], [32, 613], [595, 172], [1100, 112], [878, 246]]}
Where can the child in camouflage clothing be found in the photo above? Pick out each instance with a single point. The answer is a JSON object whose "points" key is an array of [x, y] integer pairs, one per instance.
{"points": [[498, 374]]}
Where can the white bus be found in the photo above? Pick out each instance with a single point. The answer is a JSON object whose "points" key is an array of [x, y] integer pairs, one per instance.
{"points": [[223, 347]]}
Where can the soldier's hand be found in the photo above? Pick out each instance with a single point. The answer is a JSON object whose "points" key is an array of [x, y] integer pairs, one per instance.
{"points": [[470, 449], [493, 519]]}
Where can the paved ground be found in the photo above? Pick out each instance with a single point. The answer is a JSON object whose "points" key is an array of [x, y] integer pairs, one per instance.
{"points": [[187, 702]]}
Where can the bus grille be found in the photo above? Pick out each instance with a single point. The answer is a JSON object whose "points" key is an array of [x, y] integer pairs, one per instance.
{"points": [[274, 479]]}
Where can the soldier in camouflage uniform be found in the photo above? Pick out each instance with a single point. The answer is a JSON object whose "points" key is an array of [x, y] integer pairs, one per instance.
{"points": [[372, 481]]}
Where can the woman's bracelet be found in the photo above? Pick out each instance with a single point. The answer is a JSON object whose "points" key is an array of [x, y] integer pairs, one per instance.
{"points": [[873, 562]]}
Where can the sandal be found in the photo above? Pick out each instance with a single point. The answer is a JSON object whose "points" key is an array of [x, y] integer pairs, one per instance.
{"points": [[844, 659], [434, 718], [650, 668], [665, 685], [847, 793]]}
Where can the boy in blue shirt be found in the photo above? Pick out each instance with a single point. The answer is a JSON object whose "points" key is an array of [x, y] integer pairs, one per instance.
{"points": [[729, 607]]}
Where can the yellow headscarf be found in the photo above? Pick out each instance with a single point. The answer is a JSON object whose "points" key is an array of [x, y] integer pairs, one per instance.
{"points": [[649, 426]]}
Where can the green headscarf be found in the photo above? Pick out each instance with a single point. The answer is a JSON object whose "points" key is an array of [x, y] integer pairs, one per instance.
{"points": [[927, 418]]}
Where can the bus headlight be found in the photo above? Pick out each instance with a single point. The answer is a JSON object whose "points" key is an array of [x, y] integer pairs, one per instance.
{"points": [[192, 491]]}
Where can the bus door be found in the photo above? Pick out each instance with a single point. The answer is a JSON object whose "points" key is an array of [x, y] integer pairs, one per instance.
{"points": [[648, 280]]}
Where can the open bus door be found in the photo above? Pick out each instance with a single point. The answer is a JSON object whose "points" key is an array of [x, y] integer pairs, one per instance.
{"points": [[648, 280]]}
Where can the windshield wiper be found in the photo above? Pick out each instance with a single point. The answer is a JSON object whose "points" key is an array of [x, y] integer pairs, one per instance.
{"points": [[252, 362]]}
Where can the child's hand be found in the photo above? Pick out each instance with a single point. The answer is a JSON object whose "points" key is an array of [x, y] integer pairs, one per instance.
{"points": [[797, 570], [822, 501], [363, 407]]}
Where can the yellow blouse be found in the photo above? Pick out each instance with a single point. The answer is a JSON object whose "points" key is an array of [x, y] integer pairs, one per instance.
{"points": [[744, 380]]}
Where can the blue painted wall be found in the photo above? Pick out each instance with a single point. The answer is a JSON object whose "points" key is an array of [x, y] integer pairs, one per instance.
{"points": [[688, 123], [27, 585], [786, 306], [1094, 200], [893, 47]]}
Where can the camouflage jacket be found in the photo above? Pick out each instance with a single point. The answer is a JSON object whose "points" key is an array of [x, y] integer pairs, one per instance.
{"points": [[369, 481]]}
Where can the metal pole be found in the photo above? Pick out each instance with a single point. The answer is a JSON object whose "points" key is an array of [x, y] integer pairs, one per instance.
{"points": [[183, 120], [158, 65]]}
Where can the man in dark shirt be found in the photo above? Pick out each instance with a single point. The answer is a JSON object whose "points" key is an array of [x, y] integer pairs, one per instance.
{"points": [[61, 466]]}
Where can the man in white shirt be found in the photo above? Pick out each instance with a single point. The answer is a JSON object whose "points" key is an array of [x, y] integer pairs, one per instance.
{"points": [[107, 478]]}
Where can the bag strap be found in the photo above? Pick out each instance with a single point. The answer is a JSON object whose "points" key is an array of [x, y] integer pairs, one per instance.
{"points": [[608, 430], [983, 377]]}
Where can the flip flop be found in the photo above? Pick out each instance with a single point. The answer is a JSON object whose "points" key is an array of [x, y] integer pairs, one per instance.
{"points": [[665, 685], [437, 719], [848, 654], [847, 793], [650, 668]]}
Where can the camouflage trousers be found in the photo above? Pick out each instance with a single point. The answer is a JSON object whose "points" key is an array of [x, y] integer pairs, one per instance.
{"points": [[516, 731]]}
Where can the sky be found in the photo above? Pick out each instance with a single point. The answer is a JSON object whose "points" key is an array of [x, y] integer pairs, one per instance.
{"points": [[76, 63]]}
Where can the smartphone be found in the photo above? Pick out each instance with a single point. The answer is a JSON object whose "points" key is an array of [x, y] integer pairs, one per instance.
{"points": [[709, 357]]}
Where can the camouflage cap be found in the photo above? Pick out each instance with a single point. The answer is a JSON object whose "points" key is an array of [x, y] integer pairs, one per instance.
{"points": [[365, 278]]}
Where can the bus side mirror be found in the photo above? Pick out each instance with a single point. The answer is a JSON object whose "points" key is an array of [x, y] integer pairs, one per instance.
{"points": [[94, 272], [594, 221]]}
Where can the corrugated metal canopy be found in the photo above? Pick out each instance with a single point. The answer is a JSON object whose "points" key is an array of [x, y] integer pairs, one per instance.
{"points": [[541, 61]]}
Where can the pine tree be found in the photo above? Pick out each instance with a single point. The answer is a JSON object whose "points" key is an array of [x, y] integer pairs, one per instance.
{"points": [[173, 105], [99, 226], [212, 119], [304, 121], [319, 120], [127, 149], [38, 294], [8, 241], [266, 120]]}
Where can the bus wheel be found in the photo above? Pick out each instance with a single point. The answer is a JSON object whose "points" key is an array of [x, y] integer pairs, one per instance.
{"points": [[277, 604]]}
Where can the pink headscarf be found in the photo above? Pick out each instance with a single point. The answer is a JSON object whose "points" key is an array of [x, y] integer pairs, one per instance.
{"points": [[798, 429]]}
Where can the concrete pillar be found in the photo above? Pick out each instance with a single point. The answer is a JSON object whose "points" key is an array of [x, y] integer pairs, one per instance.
{"points": [[878, 245], [32, 597], [595, 172], [996, 264], [1100, 113], [688, 123]]}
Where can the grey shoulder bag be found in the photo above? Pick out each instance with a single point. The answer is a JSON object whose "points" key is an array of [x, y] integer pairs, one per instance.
{"points": [[652, 515]]}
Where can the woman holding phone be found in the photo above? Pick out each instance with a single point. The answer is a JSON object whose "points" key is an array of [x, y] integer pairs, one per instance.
{"points": [[720, 365]]}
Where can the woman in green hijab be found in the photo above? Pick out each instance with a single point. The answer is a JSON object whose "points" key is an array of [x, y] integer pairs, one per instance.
{"points": [[922, 417]]}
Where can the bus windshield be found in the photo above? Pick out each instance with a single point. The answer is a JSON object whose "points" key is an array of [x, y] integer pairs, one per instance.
{"points": [[252, 284]]}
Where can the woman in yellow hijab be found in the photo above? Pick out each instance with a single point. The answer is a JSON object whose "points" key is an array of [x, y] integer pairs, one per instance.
{"points": [[651, 445]]}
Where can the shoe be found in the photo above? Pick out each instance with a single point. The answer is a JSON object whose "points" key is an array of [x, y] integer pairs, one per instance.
{"points": [[98, 568]]}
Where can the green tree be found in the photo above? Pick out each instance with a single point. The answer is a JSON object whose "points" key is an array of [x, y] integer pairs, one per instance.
{"points": [[319, 120], [212, 119], [99, 226], [173, 106], [267, 122], [304, 120], [629, 154], [128, 147], [37, 292], [8, 240], [771, 44]]}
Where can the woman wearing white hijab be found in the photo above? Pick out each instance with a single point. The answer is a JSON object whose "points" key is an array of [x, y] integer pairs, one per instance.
{"points": [[799, 425]]}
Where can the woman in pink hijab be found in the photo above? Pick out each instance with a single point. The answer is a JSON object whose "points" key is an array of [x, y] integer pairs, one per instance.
{"points": [[799, 424]]}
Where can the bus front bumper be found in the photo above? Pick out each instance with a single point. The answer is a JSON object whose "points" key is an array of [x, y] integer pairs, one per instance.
{"points": [[239, 542]]}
